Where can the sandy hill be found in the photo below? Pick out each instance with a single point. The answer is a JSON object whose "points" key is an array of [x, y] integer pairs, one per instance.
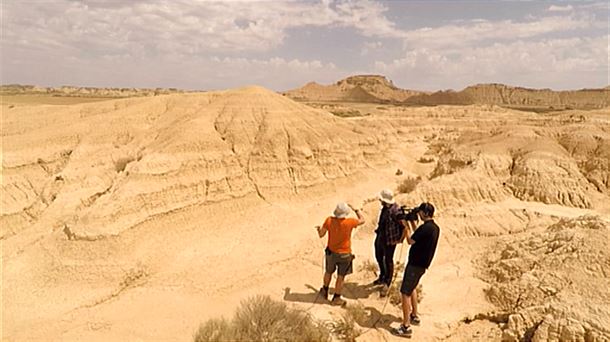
{"points": [[503, 95], [360, 88], [99, 169]]}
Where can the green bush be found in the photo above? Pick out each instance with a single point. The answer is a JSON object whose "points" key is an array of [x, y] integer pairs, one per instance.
{"points": [[261, 318]]}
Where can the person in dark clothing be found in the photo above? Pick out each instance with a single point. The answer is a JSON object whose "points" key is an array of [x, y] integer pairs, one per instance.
{"points": [[388, 234], [423, 246]]}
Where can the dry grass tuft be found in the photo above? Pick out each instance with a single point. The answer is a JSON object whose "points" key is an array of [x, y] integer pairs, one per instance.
{"points": [[262, 319], [347, 113], [408, 185], [369, 267], [425, 160], [345, 328], [396, 296], [215, 330], [134, 276], [358, 313]]}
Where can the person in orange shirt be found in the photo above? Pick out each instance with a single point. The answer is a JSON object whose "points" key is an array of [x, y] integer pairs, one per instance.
{"points": [[339, 255]]}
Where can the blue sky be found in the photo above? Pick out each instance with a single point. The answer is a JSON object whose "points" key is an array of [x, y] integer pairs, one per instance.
{"points": [[426, 45]]}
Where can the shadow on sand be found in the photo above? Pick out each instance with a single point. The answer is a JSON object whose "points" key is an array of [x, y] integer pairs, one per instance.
{"points": [[368, 317], [350, 291], [309, 297]]}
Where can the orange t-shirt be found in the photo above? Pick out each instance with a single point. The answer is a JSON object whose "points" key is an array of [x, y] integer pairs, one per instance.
{"points": [[340, 233]]}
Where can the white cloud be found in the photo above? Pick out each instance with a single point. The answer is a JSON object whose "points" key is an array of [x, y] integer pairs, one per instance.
{"points": [[603, 5], [555, 63], [548, 51], [477, 31], [182, 27], [172, 43], [555, 8], [203, 72], [369, 47], [276, 73]]}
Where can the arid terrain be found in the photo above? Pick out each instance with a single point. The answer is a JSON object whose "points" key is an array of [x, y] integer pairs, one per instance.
{"points": [[139, 218]]}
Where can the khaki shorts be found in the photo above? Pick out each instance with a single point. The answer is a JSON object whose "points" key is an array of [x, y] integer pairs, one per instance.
{"points": [[342, 263]]}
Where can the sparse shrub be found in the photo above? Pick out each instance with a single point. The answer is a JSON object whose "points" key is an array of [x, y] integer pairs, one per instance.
{"points": [[430, 137], [121, 164], [345, 328], [369, 266], [425, 160], [134, 276], [346, 113], [261, 318], [358, 313], [408, 185], [396, 296], [215, 330]]}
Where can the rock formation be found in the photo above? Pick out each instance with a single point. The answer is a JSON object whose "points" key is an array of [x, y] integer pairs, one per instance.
{"points": [[71, 91], [531, 165], [517, 97], [360, 88], [554, 285]]}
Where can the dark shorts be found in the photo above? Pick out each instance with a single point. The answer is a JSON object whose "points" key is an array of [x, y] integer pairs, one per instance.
{"points": [[411, 279], [342, 263]]}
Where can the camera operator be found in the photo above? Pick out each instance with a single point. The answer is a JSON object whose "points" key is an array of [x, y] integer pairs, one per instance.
{"points": [[388, 234], [423, 243]]}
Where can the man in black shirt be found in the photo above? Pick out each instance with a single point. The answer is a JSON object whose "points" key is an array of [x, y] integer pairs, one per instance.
{"points": [[423, 245]]}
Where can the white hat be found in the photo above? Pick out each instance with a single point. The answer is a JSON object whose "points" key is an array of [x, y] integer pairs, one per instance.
{"points": [[386, 196], [341, 211]]}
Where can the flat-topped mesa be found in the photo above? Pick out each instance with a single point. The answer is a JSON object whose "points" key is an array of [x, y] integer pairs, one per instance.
{"points": [[368, 80], [359, 88], [126, 161]]}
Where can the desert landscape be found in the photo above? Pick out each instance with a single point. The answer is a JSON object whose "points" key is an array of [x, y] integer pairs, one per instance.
{"points": [[139, 215]]}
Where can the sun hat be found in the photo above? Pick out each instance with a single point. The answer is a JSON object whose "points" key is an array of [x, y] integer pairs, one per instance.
{"points": [[386, 196], [341, 211]]}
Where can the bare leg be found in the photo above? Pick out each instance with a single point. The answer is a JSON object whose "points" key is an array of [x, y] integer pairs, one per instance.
{"points": [[414, 302], [339, 284], [406, 310], [327, 277]]}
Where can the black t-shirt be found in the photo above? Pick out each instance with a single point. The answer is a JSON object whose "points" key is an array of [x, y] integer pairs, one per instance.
{"points": [[426, 238]]}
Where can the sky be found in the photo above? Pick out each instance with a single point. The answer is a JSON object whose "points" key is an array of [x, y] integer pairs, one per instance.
{"points": [[281, 45]]}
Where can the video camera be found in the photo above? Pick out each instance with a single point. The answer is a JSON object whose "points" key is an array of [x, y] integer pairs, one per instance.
{"points": [[407, 214]]}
